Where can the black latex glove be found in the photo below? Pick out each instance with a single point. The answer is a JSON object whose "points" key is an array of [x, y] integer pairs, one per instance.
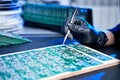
{"points": [[82, 31]]}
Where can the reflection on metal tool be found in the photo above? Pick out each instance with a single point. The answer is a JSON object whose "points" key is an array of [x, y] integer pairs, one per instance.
{"points": [[68, 31]]}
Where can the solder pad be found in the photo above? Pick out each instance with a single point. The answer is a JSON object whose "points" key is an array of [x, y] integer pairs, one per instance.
{"points": [[54, 62]]}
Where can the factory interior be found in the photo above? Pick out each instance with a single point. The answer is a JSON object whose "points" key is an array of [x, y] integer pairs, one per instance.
{"points": [[59, 40]]}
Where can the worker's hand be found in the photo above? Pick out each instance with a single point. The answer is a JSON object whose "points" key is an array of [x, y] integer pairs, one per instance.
{"points": [[82, 31]]}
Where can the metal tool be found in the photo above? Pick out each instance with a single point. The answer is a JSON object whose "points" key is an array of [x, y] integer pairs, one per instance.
{"points": [[68, 31]]}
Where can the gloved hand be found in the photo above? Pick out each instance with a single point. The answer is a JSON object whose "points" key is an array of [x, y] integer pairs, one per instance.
{"points": [[82, 31]]}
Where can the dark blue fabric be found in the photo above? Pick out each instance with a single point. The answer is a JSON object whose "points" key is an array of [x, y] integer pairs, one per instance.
{"points": [[116, 32]]}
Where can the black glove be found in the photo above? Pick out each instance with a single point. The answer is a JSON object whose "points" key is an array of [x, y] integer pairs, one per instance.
{"points": [[85, 33]]}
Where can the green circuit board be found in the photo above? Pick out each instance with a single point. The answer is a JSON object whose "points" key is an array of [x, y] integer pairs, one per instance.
{"points": [[51, 14], [48, 62], [7, 39]]}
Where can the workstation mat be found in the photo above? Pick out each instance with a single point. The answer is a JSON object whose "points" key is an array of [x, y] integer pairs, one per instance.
{"points": [[53, 62]]}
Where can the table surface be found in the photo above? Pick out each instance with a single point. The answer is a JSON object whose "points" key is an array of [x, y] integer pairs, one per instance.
{"points": [[43, 38]]}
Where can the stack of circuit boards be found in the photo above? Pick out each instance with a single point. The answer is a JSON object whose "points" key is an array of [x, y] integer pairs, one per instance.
{"points": [[10, 15], [11, 39], [54, 62], [51, 14]]}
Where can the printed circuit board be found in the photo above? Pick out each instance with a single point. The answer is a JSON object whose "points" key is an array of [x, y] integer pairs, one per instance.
{"points": [[54, 62]]}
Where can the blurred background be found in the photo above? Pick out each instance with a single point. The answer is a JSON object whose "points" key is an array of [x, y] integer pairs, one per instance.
{"points": [[106, 13]]}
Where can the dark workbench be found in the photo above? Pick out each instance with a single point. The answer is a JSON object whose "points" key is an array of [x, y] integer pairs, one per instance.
{"points": [[44, 40]]}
